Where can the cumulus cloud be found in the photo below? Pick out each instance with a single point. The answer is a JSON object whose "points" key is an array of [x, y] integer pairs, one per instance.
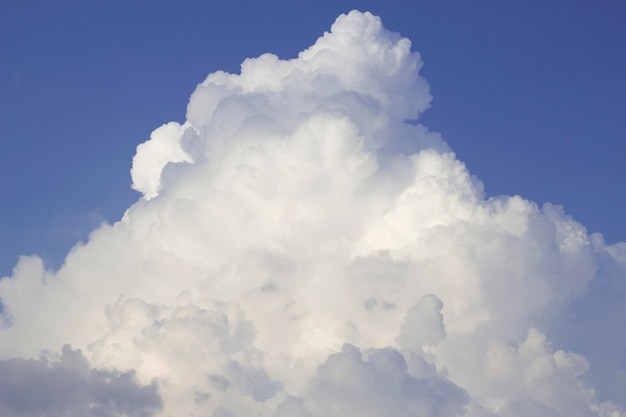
{"points": [[303, 247]]}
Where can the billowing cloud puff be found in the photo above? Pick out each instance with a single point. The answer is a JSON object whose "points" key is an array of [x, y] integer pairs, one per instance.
{"points": [[377, 383], [304, 248], [154, 155]]}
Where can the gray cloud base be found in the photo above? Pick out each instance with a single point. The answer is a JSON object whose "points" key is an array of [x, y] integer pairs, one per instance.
{"points": [[66, 386]]}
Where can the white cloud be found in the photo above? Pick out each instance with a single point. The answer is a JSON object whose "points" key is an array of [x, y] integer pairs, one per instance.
{"points": [[301, 250]]}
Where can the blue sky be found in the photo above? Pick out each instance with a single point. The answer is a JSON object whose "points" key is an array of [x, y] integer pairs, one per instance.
{"points": [[529, 94]]}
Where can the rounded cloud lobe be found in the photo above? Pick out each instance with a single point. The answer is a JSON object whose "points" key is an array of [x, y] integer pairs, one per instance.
{"points": [[304, 248]]}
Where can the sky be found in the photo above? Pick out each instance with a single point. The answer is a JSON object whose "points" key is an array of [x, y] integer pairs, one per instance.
{"points": [[528, 93], [414, 211]]}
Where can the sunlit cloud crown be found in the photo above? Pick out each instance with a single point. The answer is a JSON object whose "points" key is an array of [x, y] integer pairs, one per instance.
{"points": [[303, 247]]}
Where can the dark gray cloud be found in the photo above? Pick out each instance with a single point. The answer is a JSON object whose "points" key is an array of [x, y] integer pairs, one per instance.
{"points": [[65, 386]]}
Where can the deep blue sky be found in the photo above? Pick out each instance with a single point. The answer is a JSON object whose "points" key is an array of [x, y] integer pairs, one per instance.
{"points": [[530, 94]]}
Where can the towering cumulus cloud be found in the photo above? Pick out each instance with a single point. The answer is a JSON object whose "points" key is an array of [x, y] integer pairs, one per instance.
{"points": [[304, 248]]}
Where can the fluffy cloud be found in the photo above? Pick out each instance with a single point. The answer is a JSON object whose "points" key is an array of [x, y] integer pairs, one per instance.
{"points": [[304, 248]]}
